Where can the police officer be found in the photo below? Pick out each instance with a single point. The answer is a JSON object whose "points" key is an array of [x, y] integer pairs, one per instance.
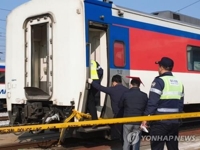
{"points": [[133, 102], [165, 97], [96, 73]]}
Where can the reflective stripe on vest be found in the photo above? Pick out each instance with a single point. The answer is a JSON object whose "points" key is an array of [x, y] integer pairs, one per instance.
{"points": [[168, 110], [93, 71], [173, 88]]}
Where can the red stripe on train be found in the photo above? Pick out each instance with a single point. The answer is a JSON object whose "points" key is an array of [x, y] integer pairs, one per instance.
{"points": [[146, 47]]}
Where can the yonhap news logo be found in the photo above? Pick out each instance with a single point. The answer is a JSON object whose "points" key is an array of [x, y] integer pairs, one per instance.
{"points": [[134, 137], [181, 138]]}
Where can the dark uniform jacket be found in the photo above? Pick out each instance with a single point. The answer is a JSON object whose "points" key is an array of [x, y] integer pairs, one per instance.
{"points": [[115, 94], [133, 102], [154, 101]]}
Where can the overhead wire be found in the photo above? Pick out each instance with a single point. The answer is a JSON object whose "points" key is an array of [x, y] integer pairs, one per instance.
{"points": [[188, 6], [4, 9], [2, 20]]}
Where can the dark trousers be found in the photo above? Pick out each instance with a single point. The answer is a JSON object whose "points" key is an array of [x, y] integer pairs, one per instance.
{"points": [[1, 105], [117, 129], [91, 107], [162, 133], [97, 99]]}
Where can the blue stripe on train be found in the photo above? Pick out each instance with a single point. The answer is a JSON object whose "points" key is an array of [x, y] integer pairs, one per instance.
{"points": [[2, 67]]}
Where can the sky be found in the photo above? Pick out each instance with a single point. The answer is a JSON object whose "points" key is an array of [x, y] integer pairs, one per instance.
{"points": [[147, 6]]}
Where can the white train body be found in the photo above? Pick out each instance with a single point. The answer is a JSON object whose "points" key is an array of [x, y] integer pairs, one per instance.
{"points": [[64, 79]]}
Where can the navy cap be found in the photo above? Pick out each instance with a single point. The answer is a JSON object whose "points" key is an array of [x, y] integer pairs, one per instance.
{"points": [[166, 62]]}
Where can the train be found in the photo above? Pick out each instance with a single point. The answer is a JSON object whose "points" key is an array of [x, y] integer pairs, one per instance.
{"points": [[2, 87], [49, 46]]}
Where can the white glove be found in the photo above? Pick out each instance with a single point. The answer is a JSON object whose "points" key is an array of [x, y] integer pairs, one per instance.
{"points": [[90, 80]]}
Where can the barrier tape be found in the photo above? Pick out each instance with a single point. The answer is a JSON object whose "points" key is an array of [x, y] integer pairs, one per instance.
{"points": [[27, 128]]}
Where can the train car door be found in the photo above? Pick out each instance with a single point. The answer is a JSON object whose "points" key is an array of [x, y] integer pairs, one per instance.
{"points": [[118, 59], [97, 39]]}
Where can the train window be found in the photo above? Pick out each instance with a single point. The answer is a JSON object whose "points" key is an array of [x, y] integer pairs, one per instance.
{"points": [[193, 54], [2, 77], [119, 54]]}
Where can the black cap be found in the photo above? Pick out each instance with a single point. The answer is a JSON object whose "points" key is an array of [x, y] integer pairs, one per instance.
{"points": [[166, 62], [135, 79]]}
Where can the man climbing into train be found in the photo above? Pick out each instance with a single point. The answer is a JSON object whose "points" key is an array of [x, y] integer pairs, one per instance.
{"points": [[96, 74], [115, 92]]}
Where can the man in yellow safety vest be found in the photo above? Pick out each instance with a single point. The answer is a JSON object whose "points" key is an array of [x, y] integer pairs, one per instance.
{"points": [[96, 73], [165, 97]]}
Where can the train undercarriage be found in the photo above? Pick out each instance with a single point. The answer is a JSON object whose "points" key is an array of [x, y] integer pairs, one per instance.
{"points": [[37, 112]]}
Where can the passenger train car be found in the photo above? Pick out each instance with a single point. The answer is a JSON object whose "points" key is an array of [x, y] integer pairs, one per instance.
{"points": [[50, 44], [2, 86]]}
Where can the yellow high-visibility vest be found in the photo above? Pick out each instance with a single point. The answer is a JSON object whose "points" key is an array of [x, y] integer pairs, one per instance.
{"points": [[93, 70], [173, 88]]}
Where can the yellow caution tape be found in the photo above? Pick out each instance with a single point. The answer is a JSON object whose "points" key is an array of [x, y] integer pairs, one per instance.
{"points": [[27, 128]]}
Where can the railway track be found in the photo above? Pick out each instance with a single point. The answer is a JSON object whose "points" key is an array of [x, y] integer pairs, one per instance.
{"points": [[27, 140], [80, 144], [46, 143], [72, 143], [36, 144], [50, 142]]}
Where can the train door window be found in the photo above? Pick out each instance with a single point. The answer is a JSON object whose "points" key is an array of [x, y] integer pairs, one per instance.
{"points": [[119, 54], [193, 58]]}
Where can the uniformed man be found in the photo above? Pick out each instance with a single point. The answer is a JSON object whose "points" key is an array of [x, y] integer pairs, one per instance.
{"points": [[96, 73], [115, 92], [166, 96], [133, 103]]}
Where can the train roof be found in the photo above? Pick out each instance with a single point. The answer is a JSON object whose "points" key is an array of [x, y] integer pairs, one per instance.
{"points": [[165, 15], [177, 16]]}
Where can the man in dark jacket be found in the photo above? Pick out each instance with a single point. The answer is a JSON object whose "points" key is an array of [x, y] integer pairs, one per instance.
{"points": [[115, 92], [133, 102], [96, 74]]}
